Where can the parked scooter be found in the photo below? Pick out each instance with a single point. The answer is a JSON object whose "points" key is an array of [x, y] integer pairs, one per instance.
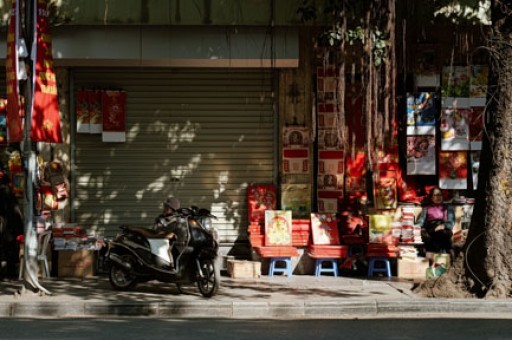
{"points": [[141, 254]]}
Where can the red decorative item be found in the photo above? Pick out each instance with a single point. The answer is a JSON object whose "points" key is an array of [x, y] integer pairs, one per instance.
{"points": [[45, 108], [260, 197], [14, 114]]}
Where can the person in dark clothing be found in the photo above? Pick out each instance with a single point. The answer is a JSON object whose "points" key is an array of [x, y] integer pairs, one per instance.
{"points": [[436, 221], [11, 226]]}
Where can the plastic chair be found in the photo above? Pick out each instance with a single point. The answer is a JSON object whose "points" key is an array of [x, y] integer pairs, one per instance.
{"points": [[43, 240], [386, 266], [287, 269], [320, 269]]}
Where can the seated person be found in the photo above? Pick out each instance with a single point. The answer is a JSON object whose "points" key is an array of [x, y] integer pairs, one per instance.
{"points": [[436, 221]]}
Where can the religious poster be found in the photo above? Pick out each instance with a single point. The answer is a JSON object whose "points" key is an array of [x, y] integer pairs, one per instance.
{"points": [[478, 84], [113, 105], [426, 72], [421, 114], [381, 229], [453, 170], [295, 137], [95, 111], [260, 197], [297, 199], [327, 200], [324, 229], [454, 128], [278, 228], [328, 140], [292, 89], [83, 118], [45, 104], [295, 161], [421, 158], [355, 178], [330, 170], [455, 81], [476, 127], [386, 193], [475, 166]]}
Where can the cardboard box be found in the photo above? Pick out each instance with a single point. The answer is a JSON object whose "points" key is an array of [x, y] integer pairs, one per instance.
{"points": [[243, 269], [77, 263], [412, 269]]}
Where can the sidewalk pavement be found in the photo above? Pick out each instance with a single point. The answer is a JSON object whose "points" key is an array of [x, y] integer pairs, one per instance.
{"points": [[278, 297]]}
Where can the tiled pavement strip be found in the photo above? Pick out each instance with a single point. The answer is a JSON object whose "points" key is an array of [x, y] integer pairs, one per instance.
{"points": [[300, 296]]}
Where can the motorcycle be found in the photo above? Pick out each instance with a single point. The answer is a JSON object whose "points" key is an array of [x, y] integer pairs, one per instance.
{"points": [[140, 254]]}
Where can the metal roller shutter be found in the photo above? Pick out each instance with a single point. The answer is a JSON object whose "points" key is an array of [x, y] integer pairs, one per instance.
{"points": [[200, 135]]}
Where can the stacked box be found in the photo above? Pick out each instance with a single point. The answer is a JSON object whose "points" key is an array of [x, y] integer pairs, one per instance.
{"points": [[243, 269]]}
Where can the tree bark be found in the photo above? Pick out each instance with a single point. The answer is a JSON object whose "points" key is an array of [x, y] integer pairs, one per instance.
{"points": [[484, 267]]}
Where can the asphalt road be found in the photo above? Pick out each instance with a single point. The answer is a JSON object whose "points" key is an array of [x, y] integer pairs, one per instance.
{"points": [[148, 328]]}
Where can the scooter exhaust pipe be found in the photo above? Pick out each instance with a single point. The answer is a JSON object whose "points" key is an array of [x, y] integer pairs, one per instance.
{"points": [[117, 259]]}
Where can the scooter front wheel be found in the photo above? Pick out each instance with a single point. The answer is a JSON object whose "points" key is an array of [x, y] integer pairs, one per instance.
{"points": [[120, 278], [209, 282]]}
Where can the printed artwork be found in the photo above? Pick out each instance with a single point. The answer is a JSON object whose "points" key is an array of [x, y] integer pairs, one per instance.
{"points": [[454, 127], [421, 155], [330, 170], [476, 128], [328, 140], [475, 166], [114, 116], [292, 89], [426, 72], [327, 200], [455, 81], [278, 228], [453, 170], [295, 137], [386, 193], [295, 161], [421, 113], [324, 229], [297, 199], [260, 197], [380, 229], [3, 129], [478, 82]]}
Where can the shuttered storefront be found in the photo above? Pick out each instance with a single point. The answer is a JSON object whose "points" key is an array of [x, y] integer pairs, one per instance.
{"points": [[200, 135]]}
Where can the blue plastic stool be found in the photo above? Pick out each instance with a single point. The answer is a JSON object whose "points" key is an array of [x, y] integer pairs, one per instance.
{"points": [[386, 269], [319, 269], [287, 269]]}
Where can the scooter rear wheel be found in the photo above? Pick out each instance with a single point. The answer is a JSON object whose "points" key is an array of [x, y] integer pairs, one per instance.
{"points": [[120, 278], [209, 283]]}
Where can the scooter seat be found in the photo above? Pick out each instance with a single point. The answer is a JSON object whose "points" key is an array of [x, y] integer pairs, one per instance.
{"points": [[150, 233]]}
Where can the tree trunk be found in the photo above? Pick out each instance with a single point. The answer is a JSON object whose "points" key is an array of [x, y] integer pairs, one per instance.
{"points": [[484, 267]]}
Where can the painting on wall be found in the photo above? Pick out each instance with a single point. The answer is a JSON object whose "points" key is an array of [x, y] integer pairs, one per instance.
{"points": [[453, 170], [421, 155], [297, 199]]}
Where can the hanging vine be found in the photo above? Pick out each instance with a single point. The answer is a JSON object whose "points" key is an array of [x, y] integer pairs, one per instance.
{"points": [[367, 25]]}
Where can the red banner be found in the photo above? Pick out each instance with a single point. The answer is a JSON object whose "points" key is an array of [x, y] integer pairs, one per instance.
{"points": [[45, 106], [14, 122], [114, 111]]}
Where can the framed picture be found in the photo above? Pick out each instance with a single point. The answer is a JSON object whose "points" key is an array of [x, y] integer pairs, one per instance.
{"points": [[278, 228], [325, 229]]}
